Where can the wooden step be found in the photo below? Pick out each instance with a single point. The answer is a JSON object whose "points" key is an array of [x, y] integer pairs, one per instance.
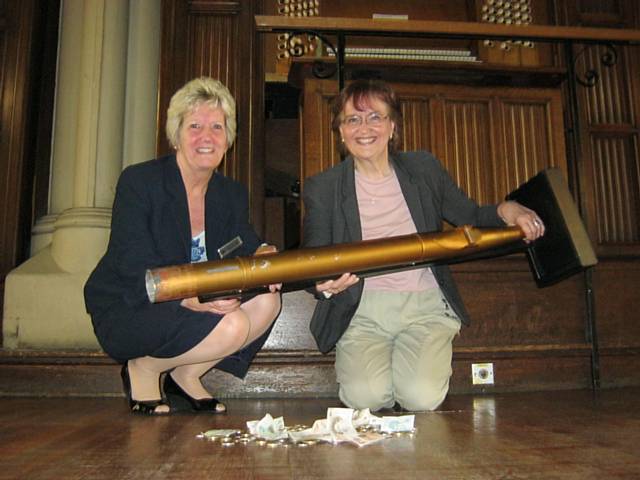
{"points": [[289, 374]]}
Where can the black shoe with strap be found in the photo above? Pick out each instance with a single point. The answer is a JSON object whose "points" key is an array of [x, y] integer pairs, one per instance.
{"points": [[179, 400], [147, 407]]}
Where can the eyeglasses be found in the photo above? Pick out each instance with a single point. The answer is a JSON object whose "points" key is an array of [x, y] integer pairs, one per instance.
{"points": [[373, 119]]}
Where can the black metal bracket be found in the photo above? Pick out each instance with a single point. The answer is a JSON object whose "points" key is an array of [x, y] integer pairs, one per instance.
{"points": [[591, 77], [321, 69]]}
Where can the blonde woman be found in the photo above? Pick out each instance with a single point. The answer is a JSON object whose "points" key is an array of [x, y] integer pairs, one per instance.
{"points": [[173, 210]]}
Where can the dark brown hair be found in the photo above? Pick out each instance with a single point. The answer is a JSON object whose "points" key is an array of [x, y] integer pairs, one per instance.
{"points": [[360, 91]]}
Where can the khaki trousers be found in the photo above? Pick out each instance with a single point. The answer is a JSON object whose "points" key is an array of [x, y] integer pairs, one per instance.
{"points": [[397, 348]]}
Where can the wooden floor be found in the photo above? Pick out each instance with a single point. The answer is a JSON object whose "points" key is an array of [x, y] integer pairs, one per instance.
{"points": [[553, 435]]}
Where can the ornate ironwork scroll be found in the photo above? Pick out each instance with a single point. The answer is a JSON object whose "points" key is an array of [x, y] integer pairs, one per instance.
{"points": [[608, 58]]}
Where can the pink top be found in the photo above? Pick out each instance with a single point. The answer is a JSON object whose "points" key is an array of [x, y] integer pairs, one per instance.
{"points": [[384, 213]]}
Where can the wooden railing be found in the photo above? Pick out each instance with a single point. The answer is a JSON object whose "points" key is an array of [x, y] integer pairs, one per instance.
{"points": [[439, 29]]}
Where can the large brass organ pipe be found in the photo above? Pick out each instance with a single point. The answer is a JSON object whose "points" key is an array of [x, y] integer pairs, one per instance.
{"points": [[242, 274]]}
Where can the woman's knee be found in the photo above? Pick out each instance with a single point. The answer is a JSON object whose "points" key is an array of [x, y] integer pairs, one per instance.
{"points": [[232, 330], [365, 393], [422, 396], [269, 304]]}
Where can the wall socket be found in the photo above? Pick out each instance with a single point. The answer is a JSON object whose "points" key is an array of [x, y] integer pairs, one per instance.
{"points": [[482, 373]]}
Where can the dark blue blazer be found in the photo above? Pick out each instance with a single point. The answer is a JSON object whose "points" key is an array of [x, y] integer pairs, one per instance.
{"points": [[331, 216], [150, 228]]}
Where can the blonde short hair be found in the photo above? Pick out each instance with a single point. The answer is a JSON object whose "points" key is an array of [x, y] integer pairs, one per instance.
{"points": [[200, 91]]}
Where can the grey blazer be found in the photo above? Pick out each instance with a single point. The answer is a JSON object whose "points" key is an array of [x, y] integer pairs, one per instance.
{"points": [[331, 216]]}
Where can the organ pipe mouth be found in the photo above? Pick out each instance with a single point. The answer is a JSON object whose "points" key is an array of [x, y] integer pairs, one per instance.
{"points": [[151, 282]]}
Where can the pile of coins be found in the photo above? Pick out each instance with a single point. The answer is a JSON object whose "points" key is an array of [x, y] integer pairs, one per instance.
{"points": [[372, 428], [231, 438], [507, 12]]}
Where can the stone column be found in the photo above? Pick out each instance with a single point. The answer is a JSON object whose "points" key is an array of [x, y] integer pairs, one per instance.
{"points": [[143, 64], [98, 88]]}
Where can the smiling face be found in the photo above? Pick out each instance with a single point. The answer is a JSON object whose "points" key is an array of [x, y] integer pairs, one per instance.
{"points": [[203, 140], [367, 137]]}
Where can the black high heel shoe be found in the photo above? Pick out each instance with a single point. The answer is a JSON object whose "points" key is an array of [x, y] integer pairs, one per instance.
{"points": [[180, 400], [139, 407]]}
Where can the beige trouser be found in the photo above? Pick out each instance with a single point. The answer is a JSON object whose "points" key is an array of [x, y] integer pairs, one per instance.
{"points": [[397, 349]]}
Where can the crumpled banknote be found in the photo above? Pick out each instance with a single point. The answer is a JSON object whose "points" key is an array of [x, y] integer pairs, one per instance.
{"points": [[341, 425], [268, 428]]}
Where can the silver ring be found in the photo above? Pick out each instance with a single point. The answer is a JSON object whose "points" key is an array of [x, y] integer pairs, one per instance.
{"points": [[536, 222]]}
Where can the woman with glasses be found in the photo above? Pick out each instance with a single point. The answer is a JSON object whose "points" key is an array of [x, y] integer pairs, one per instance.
{"points": [[392, 333]]}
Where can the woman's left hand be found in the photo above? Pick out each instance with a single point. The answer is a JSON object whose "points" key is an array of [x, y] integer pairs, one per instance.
{"points": [[263, 249], [221, 306], [513, 213]]}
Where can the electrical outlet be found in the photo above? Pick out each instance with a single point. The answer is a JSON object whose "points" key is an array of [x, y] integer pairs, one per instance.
{"points": [[482, 373]]}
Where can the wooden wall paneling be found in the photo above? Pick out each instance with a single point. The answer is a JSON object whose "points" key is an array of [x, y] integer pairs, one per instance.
{"points": [[536, 370], [616, 189], [609, 116], [217, 38], [508, 309], [609, 168], [531, 134], [319, 150], [616, 284], [28, 31], [173, 55], [534, 337], [11, 145], [417, 116], [606, 103], [211, 52], [601, 12], [468, 150]]}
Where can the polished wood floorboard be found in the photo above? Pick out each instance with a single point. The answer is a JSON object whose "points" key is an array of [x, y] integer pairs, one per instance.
{"points": [[549, 435]]}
